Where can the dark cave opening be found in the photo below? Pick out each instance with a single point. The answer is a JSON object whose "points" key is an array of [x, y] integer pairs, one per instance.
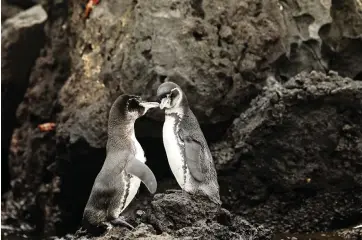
{"points": [[156, 157], [5, 175], [79, 167], [11, 98], [358, 76]]}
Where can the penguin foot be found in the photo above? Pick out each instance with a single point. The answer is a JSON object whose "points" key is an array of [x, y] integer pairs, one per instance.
{"points": [[174, 191], [121, 222]]}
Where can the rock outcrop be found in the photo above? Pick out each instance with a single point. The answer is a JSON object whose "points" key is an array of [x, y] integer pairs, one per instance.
{"points": [[298, 142], [22, 37], [182, 216], [31, 203]]}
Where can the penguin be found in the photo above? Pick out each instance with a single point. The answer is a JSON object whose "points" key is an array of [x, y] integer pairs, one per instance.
{"points": [[124, 167], [187, 151]]}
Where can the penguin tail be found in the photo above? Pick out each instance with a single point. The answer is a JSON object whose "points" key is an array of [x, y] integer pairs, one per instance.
{"points": [[216, 200], [93, 224]]}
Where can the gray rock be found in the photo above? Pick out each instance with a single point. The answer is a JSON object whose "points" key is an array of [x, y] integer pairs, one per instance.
{"points": [[32, 152], [8, 10], [304, 19], [22, 37], [322, 35], [189, 43], [343, 39]]}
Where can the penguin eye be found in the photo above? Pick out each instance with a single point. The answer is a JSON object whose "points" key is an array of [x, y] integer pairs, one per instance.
{"points": [[132, 104], [162, 96]]}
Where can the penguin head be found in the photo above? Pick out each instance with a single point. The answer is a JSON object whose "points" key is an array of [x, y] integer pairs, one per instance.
{"points": [[170, 95], [130, 107]]}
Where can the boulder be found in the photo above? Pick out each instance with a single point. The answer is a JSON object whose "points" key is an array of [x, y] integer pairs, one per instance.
{"points": [[295, 154], [8, 10], [183, 216]]}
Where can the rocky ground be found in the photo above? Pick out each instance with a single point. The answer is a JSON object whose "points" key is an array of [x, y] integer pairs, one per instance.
{"points": [[276, 86]]}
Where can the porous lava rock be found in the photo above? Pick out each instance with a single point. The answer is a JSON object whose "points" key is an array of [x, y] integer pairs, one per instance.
{"points": [[296, 154], [291, 159], [31, 205], [183, 216], [22, 37]]}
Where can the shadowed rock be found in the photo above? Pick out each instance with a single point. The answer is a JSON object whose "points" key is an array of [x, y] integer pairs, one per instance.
{"points": [[295, 149], [182, 216], [34, 180], [22, 37]]}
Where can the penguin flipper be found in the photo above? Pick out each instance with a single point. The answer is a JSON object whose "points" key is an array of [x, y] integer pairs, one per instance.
{"points": [[143, 172], [192, 154]]}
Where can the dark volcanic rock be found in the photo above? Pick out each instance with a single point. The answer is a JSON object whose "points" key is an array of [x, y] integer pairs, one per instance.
{"points": [[304, 19], [35, 183], [343, 38], [292, 159], [22, 37], [296, 155], [182, 216], [321, 35], [354, 233], [173, 212], [215, 51]]}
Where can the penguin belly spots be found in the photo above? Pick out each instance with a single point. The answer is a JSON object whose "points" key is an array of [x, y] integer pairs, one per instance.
{"points": [[174, 153]]}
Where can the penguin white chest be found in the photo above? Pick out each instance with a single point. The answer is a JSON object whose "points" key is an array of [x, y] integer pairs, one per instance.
{"points": [[140, 154], [174, 151]]}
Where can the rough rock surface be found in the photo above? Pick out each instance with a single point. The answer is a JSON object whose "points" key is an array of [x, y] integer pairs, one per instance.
{"points": [[8, 11], [213, 49], [290, 161], [34, 183], [22, 37], [296, 154], [182, 216], [322, 35]]}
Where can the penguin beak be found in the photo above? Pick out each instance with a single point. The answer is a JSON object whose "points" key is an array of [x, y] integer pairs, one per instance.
{"points": [[149, 105], [164, 102]]}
